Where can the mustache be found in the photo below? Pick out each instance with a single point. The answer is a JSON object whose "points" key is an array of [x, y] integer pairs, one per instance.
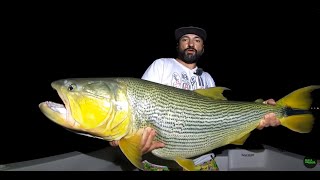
{"points": [[190, 48]]}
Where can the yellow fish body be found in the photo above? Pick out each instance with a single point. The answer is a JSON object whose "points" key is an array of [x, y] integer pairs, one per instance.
{"points": [[189, 123]]}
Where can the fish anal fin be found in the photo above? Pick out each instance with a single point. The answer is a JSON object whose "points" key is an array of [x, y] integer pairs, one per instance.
{"points": [[132, 150], [302, 123], [213, 92], [242, 140], [187, 164]]}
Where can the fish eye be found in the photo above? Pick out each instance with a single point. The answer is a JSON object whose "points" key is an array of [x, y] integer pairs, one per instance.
{"points": [[71, 87]]}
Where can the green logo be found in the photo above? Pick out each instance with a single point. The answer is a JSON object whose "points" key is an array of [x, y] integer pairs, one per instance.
{"points": [[309, 162]]}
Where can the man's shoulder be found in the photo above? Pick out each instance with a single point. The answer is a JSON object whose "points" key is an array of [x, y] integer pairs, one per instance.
{"points": [[164, 60], [209, 79], [207, 74]]}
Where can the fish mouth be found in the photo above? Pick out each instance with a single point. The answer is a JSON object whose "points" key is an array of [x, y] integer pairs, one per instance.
{"points": [[57, 107], [58, 113]]}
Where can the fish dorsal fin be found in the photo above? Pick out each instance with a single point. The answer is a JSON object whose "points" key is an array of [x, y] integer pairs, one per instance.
{"points": [[213, 92], [259, 100], [132, 150], [241, 140], [187, 164]]}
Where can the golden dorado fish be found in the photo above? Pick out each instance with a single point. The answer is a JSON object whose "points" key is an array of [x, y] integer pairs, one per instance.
{"points": [[189, 123]]}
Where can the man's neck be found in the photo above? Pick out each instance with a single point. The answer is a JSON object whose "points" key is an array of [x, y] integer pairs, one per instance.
{"points": [[190, 66]]}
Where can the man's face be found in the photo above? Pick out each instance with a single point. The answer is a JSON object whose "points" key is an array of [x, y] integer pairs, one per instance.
{"points": [[190, 48]]}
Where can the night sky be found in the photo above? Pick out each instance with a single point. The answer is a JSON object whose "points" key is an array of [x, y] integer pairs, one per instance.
{"points": [[256, 52]]}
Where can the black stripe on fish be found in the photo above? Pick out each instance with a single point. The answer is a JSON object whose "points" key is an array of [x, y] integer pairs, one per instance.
{"points": [[291, 111]]}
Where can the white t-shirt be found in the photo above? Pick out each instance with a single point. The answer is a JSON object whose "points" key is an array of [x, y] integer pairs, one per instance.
{"points": [[170, 72]]}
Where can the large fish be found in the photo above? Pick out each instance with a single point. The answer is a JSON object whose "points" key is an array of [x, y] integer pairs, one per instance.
{"points": [[189, 123]]}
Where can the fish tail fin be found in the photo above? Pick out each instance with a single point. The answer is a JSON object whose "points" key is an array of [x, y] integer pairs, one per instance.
{"points": [[302, 123], [297, 104]]}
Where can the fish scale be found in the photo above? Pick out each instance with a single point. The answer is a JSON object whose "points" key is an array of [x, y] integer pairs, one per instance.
{"points": [[187, 125]]}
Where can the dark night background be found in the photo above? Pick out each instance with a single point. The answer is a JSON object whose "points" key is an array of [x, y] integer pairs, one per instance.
{"points": [[261, 52]]}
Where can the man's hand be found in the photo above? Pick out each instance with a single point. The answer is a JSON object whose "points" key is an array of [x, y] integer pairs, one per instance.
{"points": [[147, 142], [269, 119]]}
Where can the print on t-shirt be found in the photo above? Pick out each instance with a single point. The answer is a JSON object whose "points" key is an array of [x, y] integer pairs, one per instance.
{"points": [[176, 81], [183, 81], [193, 81]]}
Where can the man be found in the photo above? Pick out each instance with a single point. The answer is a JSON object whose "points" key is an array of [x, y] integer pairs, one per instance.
{"points": [[182, 72]]}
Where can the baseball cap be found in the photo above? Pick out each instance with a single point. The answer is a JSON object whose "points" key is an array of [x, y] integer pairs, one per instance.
{"points": [[190, 30]]}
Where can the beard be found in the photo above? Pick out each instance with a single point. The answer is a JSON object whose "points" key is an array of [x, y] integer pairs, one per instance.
{"points": [[189, 58]]}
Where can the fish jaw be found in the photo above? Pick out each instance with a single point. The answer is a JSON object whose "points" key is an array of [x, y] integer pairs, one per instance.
{"points": [[90, 106], [58, 114]]}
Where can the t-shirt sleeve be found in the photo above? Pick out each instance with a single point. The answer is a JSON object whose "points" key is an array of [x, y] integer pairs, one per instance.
{"points": [[154, 72], [209, 80]]}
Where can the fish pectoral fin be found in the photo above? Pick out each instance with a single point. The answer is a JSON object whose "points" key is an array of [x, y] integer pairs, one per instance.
{"points": [[213, 92], [241, 140], [187, 164], [132, 150]]}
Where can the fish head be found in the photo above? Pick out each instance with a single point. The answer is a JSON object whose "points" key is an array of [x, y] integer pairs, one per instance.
{"points": [[95, 106]]}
